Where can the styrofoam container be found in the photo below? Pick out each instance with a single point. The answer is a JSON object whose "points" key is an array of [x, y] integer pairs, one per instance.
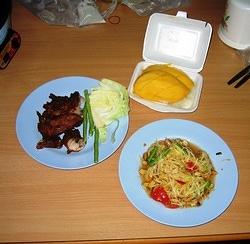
{"points": [[181, 42]]}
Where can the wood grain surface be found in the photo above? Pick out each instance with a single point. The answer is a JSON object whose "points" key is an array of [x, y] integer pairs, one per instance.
{"points": [[41, 204]]}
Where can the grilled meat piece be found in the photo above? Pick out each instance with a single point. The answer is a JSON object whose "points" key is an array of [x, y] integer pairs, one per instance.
{"points": [[62, 105], [57, 125], [53, 142], [61, 114], [73, 141]]}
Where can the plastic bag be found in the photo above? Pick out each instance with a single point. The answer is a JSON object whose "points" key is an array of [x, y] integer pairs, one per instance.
{"points": [[86, 12], [147, 7], [68, 12]]}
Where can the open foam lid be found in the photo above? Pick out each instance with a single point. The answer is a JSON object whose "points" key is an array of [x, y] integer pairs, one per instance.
{"points": [[177, 40]]}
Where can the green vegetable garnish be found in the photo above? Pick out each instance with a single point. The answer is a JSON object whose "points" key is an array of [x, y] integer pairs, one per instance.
{"points": [[96, 145], [181, 148], [90, 116], [157, 153], [152, 156], [109, 102], [88, 120], [104, 104], [85, 124]]}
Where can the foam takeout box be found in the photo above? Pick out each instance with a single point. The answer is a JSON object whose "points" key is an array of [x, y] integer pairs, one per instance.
{"points": [[181, 42]]}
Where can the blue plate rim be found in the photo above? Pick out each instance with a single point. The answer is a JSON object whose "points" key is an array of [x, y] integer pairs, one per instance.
{"points": [[54, 84], [126, 182]]}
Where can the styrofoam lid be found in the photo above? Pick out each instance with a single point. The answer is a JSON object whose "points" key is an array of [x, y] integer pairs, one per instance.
{"points": [[177, 40]]}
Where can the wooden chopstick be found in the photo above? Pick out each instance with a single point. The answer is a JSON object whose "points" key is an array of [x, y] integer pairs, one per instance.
{"points": [[243, 74], [243, 80]]}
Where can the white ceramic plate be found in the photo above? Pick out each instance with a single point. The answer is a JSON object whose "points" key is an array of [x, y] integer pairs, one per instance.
{"points": [[28, 135], [225, 184]]}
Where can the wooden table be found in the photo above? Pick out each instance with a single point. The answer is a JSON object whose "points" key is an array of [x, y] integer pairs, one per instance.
{"points": [[41, 204]]}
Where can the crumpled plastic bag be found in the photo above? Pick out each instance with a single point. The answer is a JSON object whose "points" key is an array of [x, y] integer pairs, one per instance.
{"points": [[147, 7], [86, 12], [68, 12]]}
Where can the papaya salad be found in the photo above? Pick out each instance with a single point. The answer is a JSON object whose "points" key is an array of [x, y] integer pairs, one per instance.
{"points": [[177, 173]]}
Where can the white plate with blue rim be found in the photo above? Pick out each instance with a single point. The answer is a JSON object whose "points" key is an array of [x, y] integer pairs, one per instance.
{"points": [[226, 181], [28, 135]]}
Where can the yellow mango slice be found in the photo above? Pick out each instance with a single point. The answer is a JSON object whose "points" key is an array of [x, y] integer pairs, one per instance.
{"points": [[149, 76], [179, 74], [160, 86]]}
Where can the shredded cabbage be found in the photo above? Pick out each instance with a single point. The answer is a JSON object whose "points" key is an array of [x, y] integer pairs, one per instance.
{"points": [[109, 102]]}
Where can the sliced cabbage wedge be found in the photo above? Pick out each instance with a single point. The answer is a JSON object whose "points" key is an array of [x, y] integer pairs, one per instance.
{"points": [[109, 102]]}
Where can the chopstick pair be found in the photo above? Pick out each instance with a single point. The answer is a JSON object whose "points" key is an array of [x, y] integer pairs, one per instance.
{"points": [[243, 76]]}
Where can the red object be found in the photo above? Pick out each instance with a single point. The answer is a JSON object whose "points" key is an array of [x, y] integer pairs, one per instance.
{"points": [[114, 19], [9, 48], [190, 166], [181, 182], [172, 205], [160, 195]]}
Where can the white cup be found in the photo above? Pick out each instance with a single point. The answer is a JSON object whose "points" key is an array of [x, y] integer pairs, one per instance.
{"points": [[234, 29]]}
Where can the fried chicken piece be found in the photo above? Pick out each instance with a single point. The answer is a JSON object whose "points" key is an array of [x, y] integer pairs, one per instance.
{"points": [[73, 141], [62, 105], [53, 142], [62, 113], [57, 125]]}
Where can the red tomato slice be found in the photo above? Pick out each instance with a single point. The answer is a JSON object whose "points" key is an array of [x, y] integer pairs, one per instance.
{"points": [[190, 166], [160, 195], [172, 206]]}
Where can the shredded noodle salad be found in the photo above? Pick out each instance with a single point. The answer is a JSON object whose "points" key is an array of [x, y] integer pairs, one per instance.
{"points": [[177, 173]]}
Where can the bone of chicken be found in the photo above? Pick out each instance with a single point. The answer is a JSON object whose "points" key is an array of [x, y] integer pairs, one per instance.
{"points": [[73, 141]]}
